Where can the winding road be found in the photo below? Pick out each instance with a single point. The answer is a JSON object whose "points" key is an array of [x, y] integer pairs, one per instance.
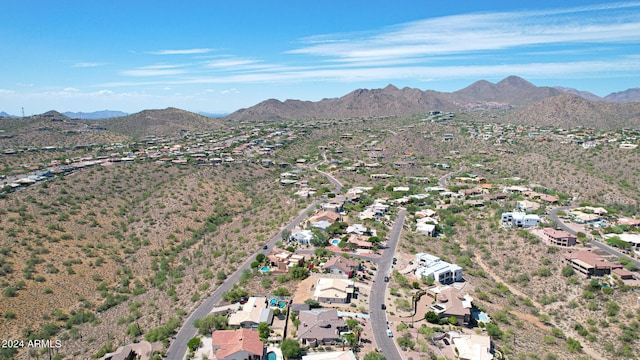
{"points": [[178, 346], [553, 214]]}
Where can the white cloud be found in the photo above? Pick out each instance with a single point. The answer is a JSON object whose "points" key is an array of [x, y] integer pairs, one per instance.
{"points": [[182, 51], [152, 72], [230, 91], [70, 89], [481, 32], [229, 63], [87, 64]]}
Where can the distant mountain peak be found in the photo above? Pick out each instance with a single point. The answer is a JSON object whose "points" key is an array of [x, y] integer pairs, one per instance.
{"points": [[515, 81], [95, 115], [629, 95]]}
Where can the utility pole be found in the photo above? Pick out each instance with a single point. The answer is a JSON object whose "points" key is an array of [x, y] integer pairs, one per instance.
{"points": [[23, 111]]}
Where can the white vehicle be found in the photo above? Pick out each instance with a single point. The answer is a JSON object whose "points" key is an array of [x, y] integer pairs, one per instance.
{"points": [[389, 333]]}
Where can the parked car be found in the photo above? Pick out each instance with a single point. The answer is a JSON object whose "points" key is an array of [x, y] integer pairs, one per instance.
{"points": [[386, 279], [389, 333], [383, 307]]}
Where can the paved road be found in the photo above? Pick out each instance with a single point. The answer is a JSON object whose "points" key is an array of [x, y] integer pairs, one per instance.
{"points": [[443, 180], [178, 347], [553, 214], [378, 290], [330, 177]]}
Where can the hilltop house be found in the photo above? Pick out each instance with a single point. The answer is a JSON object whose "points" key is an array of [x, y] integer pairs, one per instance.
{"points": [[450, 302], [559, 237], [590, 264], [521, 219], [442, 271]]}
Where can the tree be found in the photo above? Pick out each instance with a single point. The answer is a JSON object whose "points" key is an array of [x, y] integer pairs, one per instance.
{"points": [[583, 238], [573, 345], [264, 331], [298, 273], [286, 234], [349, 339], [314, 304], [194, 344], [210, 322], [290, 348], [282, 291], [260, 258], [567, 271], [432, 317], [374, 355]]}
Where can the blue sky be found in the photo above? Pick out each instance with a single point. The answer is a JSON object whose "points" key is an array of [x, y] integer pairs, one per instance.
{"points": [[220, 56]]}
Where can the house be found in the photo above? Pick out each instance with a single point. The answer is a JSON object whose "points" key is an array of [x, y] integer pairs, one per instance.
{"points": [[283, 260], [450, 302], [379, 209], [442, 271], [589, 264], [632, 239], [329, 290], [240, 344], [360, 241], [631, 222], [329, 216], [320, 327], [426, 229], [342, 266], [302, 237], [360, 230], [472, 346], [521, 219], [549, 199], [527, 206], [335, 204], [580, 217], [252, 313], [559, 237]]}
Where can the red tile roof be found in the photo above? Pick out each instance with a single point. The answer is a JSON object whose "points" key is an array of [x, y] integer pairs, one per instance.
{"points": [[230, 342]]}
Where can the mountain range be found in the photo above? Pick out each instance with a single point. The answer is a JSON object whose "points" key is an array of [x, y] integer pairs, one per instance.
{"points": [[534, 105], [103, 114], [511, 92]]}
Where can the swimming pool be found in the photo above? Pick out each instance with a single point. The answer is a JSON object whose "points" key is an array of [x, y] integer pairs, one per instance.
{"points": [[279, 304], [265, 269], [335, 242], [271, 355], [481, 316]]}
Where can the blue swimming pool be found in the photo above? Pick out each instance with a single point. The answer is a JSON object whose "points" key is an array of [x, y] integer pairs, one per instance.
{"points": [[481, 316], [271, 355], [265, 269], [335, 242]]}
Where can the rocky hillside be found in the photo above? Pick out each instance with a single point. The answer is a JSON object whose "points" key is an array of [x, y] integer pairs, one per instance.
{"points": [[568, 111], [538, 105], [167, 122]]}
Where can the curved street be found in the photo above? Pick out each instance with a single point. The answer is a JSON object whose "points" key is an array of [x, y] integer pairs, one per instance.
{"points": [[553, 214], [178, 346]]}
